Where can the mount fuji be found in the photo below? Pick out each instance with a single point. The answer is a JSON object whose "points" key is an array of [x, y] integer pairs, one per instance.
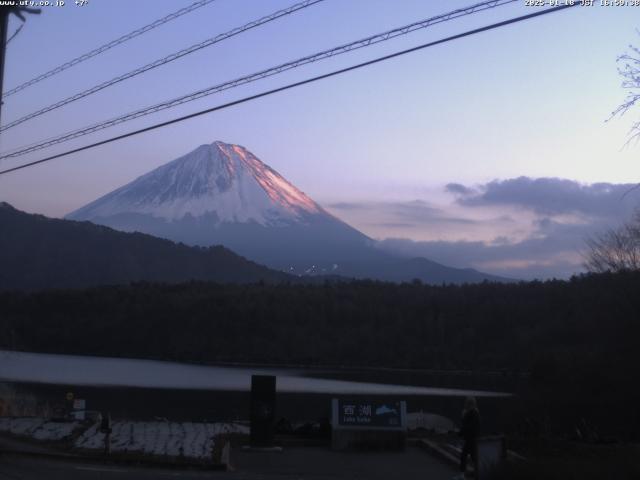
{"points": [[223, 194]]}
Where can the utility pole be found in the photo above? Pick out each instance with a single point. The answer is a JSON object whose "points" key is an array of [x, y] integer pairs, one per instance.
{"points": [[4, 25]]}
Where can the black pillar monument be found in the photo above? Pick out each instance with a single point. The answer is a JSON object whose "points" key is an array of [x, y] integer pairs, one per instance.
{"points": [[263, 410]]}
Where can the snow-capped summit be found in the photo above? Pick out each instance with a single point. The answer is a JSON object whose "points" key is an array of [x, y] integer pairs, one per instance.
{"points": [[221, 194], [225, 182]]}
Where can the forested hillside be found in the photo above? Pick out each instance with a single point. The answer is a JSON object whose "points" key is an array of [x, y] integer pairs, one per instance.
{"points": [[37, 252]]}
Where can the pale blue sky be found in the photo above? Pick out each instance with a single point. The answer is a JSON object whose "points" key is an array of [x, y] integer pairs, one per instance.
{"points": [[525, 100]]}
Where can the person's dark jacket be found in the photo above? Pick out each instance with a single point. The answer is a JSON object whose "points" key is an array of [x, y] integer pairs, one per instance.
{"points": [[470, 425]]}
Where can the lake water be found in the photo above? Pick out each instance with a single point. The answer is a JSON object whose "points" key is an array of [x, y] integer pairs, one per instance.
{"points": [[124, 372], [143, 389]]}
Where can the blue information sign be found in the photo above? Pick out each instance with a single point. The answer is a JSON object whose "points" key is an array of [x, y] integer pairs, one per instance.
{"points": [[359, 413]]}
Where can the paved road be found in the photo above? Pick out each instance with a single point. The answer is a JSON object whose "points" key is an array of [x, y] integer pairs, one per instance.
{"points": [[321, 464], [26, 468], [293, 463]]}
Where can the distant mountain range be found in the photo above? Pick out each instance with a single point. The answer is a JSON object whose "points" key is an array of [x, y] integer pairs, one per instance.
{"points": [[223, 194], [37, 252]]}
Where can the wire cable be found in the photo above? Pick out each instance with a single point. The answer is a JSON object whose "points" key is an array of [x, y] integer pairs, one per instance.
{"points": [[14, 34], [108, 46], [294, 85], [162, 61], [365, 42]]}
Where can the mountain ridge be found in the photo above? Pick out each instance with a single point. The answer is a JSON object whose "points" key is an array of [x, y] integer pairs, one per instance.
{"points": [[221, 193], [37, 252]]}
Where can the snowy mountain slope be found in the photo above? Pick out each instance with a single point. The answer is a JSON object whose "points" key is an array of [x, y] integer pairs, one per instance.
{"points": [[222, 194], [225, 182]]}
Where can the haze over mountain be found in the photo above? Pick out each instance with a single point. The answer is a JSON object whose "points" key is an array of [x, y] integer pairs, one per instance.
{"points": [[223, 194], [37, 252]]}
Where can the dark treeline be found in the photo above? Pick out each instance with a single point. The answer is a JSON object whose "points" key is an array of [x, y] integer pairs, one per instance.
{"points": [[540, 327], [579, 336]]}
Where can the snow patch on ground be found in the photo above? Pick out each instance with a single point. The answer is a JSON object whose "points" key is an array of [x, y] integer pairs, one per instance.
{"points": [[172, 439], [38, 428], [163, 439], [429, 421]]}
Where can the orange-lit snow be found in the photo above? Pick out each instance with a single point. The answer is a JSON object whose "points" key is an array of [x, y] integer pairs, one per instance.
{"points": [[278, 189]]}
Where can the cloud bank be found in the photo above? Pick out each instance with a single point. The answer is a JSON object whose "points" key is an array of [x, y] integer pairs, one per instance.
{"points": [[521, 227], [550, 196]]}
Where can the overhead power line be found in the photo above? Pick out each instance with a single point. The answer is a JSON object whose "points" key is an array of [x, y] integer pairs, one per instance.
{"points": [[162, 61], [365, 42], [294, 85], [14, 34], [109, 45]]}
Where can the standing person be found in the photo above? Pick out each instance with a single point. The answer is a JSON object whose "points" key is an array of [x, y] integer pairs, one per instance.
{"points": [[469, 432], [105, 427]]}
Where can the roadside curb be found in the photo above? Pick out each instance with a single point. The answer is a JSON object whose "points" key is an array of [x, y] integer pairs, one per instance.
{"points": [[115, 460], [438, 451]]}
